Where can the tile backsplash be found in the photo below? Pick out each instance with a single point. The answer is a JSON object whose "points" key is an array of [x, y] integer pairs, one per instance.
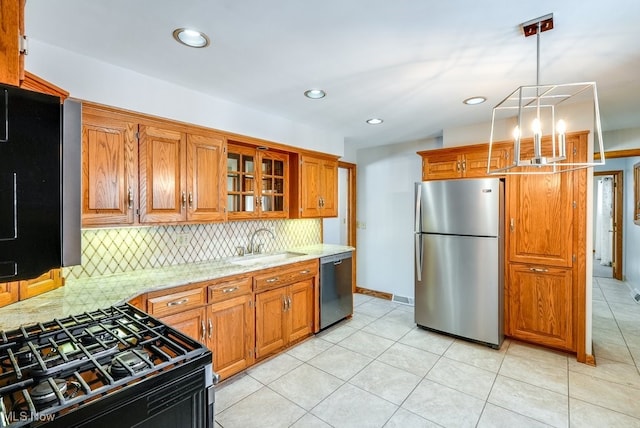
{"points": [[117, 250]]}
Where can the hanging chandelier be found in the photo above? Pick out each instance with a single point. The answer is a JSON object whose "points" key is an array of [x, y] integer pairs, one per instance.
{"points": [[541, 116]]}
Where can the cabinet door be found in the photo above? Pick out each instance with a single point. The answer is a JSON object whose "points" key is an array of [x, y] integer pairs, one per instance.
{"points": [[12, 13], [271, 320], [540, 219], [329, 189], [8, 292], [45, 282], [230, 335], [300, 310], [205, 180], [540, 305], [191, 323], [109, 170], [241, 182], [310, 186], [441, 166], [163, 196], [474, 162], [274, 185]]}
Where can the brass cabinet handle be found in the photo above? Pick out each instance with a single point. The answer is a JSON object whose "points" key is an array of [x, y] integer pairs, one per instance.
{"points": [[539, 270], [464, 165], [458, 166], [512, 225], [304, 271], [130, 198], [184, 199], [271, 280], [284, 303], [204, 331], [288, 302], [210, 328], [190, 200], [178, 302], [229, 290]]}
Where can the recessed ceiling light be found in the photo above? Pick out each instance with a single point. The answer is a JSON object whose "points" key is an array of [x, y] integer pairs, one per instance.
{"points": [[474, 100], [375, 121], [191, 38], [315, 94]]}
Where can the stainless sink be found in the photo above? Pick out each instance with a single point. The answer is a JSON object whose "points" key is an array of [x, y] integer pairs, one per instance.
{"points": [[265, 258]]}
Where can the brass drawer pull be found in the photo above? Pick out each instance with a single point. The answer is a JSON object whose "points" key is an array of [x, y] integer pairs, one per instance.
{"points": [[272, 280], [230, 290], [305, 271], [178, 302], [538, 270]]}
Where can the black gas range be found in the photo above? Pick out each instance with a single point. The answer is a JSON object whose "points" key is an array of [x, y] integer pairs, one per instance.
{"points": [[112, 367]]}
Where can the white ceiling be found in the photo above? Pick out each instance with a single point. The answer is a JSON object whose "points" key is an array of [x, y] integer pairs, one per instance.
{"points": [[410, 62]]}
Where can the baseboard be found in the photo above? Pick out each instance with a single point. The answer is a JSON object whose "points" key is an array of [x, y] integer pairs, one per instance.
{"points": [[374, 293], [590, 360]]}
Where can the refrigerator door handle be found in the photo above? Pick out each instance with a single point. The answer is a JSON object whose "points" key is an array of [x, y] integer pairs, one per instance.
{"points": [[418, 257], [418, 219]]}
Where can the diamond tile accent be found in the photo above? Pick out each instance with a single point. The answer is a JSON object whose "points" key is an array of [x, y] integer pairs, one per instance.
{"points": [[117, 250]]}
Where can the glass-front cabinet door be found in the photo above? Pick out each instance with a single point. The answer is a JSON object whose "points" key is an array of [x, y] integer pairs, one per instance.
{"points": [[241, 180], [273, 188], [256, 183]]}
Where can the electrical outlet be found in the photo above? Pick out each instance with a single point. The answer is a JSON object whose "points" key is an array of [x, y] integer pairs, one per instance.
{"points": [[182, 239]]}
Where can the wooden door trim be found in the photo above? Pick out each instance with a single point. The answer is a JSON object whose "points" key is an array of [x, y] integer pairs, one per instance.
{"points": [[351, 214], [618, 180]]}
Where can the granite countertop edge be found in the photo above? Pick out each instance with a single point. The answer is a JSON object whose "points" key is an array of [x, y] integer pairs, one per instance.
{"points": [[89, 294]]}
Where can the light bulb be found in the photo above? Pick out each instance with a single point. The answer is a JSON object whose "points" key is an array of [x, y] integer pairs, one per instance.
{"points": [[561, 127], [536, 127]]}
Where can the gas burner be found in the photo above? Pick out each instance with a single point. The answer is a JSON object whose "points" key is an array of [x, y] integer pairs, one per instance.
{"points": [[98, 333], [44, 393], [129, 362], [25, 356]]}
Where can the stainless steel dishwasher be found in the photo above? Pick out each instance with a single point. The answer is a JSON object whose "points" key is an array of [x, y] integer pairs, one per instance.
{"points": [[336, 295]]}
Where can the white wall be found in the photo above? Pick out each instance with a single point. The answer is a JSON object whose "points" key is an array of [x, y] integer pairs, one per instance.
{"points": [[632, 235], [386, 175], [93, 80]]}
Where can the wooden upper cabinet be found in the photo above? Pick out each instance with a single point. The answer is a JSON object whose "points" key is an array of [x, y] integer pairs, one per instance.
{"points": [[163, 195], [257, 183], [11, 29], [109, 170], [463, 162], [205, 177], [317, 187]]}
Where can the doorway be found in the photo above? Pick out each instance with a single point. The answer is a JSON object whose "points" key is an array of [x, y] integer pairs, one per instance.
{"points": [[342, 229], [608, 208]]}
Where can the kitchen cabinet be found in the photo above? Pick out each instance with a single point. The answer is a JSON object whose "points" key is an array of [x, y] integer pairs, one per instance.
{"points": [[463, 162], [180, 176], [231, 325], [540, 305], [546, 260], [46, 282], [190, 322], [283, 315], [257, 183], [109, 169], [285, 311], [11, 30], [316, 187], [9, 292]]}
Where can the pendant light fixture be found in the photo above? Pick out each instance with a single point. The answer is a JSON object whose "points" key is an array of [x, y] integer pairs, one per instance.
{"points": [[541, 116]]}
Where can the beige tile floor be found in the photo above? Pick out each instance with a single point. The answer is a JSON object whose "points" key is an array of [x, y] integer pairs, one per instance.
{"points": [[379, 370]]}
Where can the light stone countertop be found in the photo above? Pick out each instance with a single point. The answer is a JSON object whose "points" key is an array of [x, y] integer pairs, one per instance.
{"points": [[89, 294]]}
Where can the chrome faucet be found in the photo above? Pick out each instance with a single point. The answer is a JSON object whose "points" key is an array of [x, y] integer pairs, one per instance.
{"points": [[252, 249]]}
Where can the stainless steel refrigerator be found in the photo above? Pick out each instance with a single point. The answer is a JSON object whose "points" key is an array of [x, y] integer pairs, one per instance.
{"points": [[459, 258]]}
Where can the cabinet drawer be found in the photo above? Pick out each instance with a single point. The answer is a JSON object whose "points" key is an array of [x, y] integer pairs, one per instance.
{"points": [[287, 274], [227, 289], [176, 302]]}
